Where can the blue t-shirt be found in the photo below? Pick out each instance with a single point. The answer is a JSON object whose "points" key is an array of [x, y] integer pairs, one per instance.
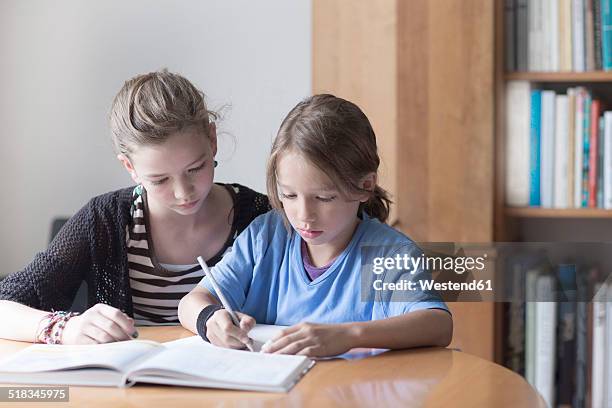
{"points": [[263, 276]]}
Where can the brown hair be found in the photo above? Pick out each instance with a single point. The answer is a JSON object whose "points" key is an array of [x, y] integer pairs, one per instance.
{"points": [[151, 107], [336, 136]]}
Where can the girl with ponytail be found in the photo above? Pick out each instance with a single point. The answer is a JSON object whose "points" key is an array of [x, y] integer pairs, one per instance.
{"points": [[322, 262]]}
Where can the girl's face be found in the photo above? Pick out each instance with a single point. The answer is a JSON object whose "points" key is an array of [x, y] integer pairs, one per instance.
{"points": [[314, 206], [177, 174]]}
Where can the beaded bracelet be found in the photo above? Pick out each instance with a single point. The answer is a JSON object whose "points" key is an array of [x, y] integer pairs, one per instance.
{"points": [[51, 333], [44, 335]]}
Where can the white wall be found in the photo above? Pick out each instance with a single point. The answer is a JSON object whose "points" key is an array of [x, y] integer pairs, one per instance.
{"points": [[62, 62]]}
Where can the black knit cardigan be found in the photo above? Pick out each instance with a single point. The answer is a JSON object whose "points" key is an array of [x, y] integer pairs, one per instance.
{"points": [[91, 246]]}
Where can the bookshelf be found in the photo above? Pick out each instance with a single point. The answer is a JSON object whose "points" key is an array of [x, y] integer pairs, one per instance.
{"points": [[511, 222], [536, 224]]}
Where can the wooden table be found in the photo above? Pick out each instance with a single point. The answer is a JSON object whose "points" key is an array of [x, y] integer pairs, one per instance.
{"points": [[428, 377]]}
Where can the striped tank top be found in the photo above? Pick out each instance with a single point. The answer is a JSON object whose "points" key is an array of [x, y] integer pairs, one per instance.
{"points": [[158, 288]]}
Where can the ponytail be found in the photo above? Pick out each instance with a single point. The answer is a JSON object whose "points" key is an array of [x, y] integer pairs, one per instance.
{"points": [[378, 205]]}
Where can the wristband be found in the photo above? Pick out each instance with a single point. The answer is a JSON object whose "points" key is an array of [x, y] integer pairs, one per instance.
{"points": [[203, 317]]}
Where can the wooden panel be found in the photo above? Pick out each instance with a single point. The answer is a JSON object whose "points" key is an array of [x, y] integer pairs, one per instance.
{"points": [[413, 124], [445, 119], [423, 72], [353, 56], [502, 229]]}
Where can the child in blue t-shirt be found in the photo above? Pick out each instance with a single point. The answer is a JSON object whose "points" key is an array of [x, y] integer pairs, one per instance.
{"points": [[322, 262]]}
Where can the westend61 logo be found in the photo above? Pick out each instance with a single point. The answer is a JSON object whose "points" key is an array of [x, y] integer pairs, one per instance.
{"points": [[459, 264], [490, 271], [407, 273], [404, 272]]}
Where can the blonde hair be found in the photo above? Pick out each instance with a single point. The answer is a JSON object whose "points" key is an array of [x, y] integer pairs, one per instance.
{"points": [[336, 136], [153, 106]]}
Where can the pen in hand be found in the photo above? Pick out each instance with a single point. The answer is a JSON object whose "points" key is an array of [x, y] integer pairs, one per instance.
{"points": [[222, 298]]}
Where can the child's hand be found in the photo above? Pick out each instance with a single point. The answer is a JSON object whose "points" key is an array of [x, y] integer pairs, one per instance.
{"points": [[314, 340], [221, 331], [99, 324]]}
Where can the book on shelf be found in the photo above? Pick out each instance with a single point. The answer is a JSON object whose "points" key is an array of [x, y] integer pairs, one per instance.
{"points": [[188, 362], [556, 148], [578, 145], [535, 137], [535, 36], [530, 324], [578, 46], [582, 342], [601, 391], [517, 143], [598, 355], [558, 35], [561, 152], [567, 351], [565, 35], [586, 129], [607, 341], [562, 315], [593, 153], [522, 40], [600, 162], [606, 34], [510, 37], [597, 45], [547, 148], [551, 26], [513, 342], [545, 348], [571, 145], [589, 35], [607, 159], [540, 332]]}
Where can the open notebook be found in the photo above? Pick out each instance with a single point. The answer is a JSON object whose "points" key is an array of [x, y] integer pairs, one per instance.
{"points": [[186, 362]]}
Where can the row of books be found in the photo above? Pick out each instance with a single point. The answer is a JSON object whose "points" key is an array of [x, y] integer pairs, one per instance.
{"points": [[558, 35], [558, 148], [562, 348]]}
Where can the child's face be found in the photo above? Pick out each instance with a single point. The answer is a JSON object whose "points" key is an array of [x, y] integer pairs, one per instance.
{"points": [[177, 174], [314, 206]]}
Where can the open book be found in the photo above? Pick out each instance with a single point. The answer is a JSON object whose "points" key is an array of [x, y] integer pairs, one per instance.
{"points": [[186, 362]]}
